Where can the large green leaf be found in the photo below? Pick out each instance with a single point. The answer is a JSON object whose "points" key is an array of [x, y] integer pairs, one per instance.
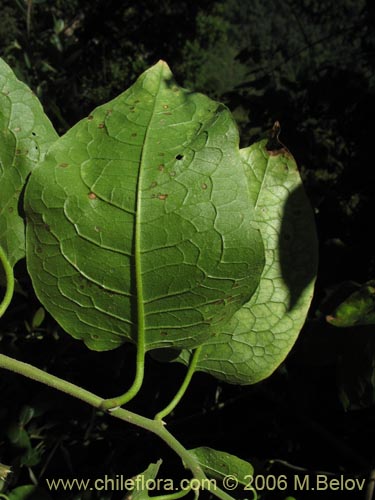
{"points": [[25, 134], [140, 218], [259, 336]]}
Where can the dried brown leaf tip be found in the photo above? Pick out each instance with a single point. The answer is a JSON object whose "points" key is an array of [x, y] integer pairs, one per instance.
{"points": [[274, 146]]}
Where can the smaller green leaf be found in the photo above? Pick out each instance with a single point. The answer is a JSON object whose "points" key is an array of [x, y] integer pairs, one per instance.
{"points": [[27, 413], [219, 464], [357, 309], [140, 491], [28, 492], [38, 318], [18, 436]]}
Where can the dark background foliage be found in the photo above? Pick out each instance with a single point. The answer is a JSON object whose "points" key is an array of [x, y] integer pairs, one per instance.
{"points": [[306, 63]]}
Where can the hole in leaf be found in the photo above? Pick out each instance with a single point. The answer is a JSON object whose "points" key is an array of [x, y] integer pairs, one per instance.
{"points": [[179, 157]]}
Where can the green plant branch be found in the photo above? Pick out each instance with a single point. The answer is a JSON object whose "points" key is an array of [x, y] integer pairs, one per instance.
{"points": [[155, 426], [9, 282], [185, 384]]}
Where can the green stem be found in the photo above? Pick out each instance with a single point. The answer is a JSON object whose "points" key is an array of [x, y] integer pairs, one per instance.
{"points": [[180, 393], [9, 282], [154, 426]]}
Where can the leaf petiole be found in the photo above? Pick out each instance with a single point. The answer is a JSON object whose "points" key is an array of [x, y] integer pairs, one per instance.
{"points": [[109, 404], [9, 282], [185, 384]]}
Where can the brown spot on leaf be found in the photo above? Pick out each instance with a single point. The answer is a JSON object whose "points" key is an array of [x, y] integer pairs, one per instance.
{"points": [[63, 165], [162, 196], [101, 125], [204, 186], [153, 184], [165, 106], [90, 117], [161, 167], [134, 134], [92, 196], [172, 173]]}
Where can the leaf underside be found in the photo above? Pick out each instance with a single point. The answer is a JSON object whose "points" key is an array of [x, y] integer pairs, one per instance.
{"points": [[142, 207], [25, 135], [259, 336]]}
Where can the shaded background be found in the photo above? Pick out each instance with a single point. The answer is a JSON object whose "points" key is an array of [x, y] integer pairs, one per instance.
{"points": [[308, 64]]}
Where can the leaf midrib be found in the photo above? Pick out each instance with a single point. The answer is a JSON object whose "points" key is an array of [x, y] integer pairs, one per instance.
{"points": [[141, 327]]}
